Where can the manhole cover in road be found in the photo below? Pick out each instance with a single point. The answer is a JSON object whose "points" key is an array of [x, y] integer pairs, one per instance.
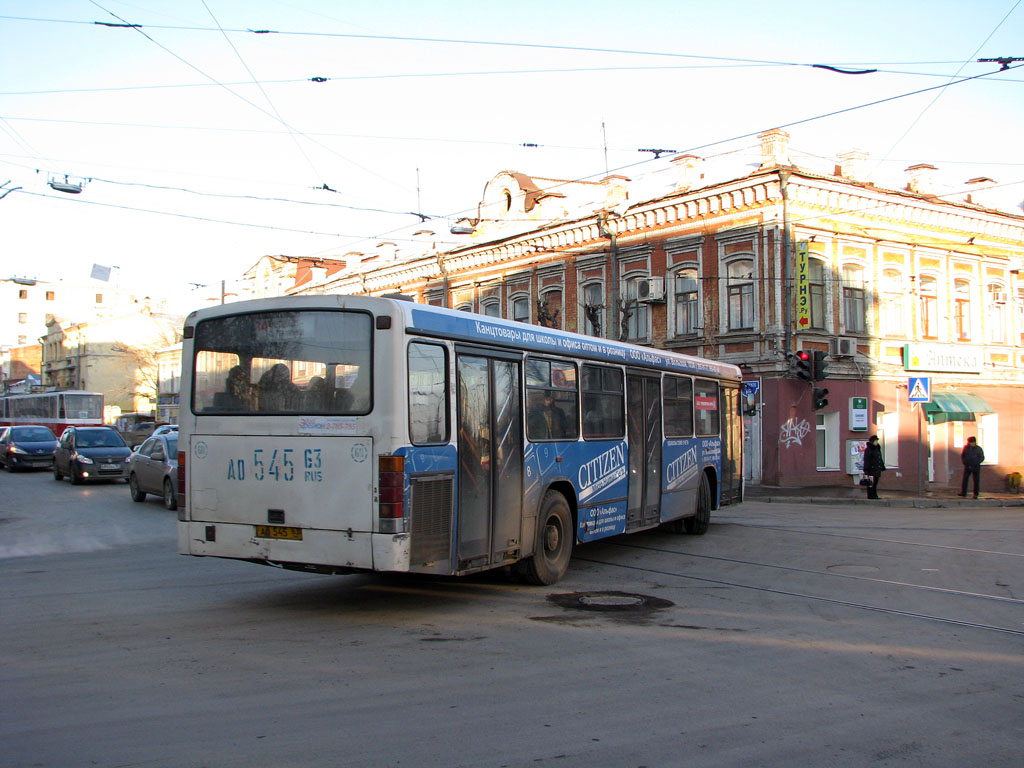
{"points": [[609, 601]]}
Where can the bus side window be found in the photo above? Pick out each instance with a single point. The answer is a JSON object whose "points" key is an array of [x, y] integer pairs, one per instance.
{"points": [[678, 406], [603, 401], [551, 403]]}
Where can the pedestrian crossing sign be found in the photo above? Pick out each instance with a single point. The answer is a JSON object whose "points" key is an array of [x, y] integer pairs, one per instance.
{"points": [[920, 389]]}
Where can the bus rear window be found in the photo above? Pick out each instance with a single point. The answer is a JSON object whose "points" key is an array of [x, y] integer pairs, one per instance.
{"points": [[308, 362]]}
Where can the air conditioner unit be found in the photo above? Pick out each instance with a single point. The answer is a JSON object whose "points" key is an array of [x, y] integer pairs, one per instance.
{"points": [[843, 346], [650, 289]]}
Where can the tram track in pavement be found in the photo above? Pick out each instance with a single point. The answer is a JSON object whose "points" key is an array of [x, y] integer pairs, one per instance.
{"points": [[818, 573], [808, 531]]}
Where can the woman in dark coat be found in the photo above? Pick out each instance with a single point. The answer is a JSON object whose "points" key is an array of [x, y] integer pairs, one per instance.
{"points": [[873, 465]]}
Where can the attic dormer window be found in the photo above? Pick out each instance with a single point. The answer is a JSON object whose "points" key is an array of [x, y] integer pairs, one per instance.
{"points": [[507, 195]]}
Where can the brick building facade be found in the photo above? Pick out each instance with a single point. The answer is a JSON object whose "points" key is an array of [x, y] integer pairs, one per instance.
{"points": [[893, 285]]}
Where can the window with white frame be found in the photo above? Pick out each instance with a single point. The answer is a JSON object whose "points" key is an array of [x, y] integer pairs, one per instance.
{"points": [[521, 308], [995, 314], [549, 309], [987, 428], [593, 310], [490, 307], [740, 290], [826, 440], [891, 305], [687, 302], [962, 310], [854, 307], [637, 314], [1020, 314], [816, 291], [928, 299], [889, 435], [465, 307]]}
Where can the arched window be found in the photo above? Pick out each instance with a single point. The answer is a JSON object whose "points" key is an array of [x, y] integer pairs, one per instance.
{"points": [[928, 297], [464, 307], [740, 289], [593, 309], [637, 315], [521, 308], [854, 307], [962, 310], [995, 314], [687, 302], [490, 307], [891, 309], [1020, 314], [549, 309], [816, 291]]}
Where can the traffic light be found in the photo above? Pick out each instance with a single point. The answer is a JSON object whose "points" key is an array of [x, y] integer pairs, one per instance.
{"points": [[804, 365], [820, 366], [820, 398]]}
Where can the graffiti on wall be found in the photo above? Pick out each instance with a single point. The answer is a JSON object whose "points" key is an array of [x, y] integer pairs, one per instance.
{"points": [[794, 431]]}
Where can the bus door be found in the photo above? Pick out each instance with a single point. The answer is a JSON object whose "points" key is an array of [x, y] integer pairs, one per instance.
{"points": [[732, 446], [643, 403], [490, 445]]}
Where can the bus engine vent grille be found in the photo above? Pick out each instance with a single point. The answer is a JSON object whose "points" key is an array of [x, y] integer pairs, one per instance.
{"points": [[431, 529]]}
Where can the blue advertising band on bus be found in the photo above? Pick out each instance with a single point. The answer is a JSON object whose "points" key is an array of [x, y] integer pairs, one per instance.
{"points": [[453, 324]]}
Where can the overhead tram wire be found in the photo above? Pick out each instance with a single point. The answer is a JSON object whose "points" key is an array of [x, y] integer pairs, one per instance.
{"points": [[1004, 66], [138, 28], [743, 61], [291, 132], [361, 239], [83, 201]]}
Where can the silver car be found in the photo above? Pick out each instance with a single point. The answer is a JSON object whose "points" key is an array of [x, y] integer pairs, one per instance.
{"points": [[153, 468]]}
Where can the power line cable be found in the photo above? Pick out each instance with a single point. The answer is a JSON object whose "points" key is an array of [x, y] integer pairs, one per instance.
{"points": [[138, 28], [942, 90], [291, 132]]}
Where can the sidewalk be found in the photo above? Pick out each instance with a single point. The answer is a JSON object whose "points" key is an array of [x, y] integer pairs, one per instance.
{"points": [[935, 497]]}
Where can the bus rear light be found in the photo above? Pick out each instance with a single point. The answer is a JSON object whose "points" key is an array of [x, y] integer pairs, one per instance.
{"points": [[391, 496], [391, 492], [182, 497], [391, 511]]}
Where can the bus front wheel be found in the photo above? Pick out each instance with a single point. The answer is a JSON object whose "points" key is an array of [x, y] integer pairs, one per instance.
{"points": [[553, 549]]}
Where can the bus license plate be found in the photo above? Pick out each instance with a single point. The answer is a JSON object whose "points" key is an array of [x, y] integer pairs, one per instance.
{"points": [[278, 532]]}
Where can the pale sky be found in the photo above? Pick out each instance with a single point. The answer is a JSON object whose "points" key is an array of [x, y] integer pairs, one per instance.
{"points": [[204, 149]]}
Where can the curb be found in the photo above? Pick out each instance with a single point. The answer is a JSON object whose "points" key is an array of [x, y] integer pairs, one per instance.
{"points": [[892, 502]]}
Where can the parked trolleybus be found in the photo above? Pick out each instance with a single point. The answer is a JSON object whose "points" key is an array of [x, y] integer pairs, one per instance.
{"points": [[56, 410], [337, 434]]}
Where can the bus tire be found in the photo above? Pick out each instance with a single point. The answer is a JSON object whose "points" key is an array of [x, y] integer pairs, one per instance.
{"points": [[133, 487], [697, 525], [555, 536]]}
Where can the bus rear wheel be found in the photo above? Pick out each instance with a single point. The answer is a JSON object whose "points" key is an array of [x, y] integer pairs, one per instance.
{"points": [[553, 549], [698, 524]]}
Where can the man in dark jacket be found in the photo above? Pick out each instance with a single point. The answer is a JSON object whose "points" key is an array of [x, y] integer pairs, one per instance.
{"points": [[972, 458], [874, 466]]}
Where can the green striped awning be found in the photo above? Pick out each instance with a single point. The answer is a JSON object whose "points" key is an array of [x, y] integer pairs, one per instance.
{"points": [[955, 406]]}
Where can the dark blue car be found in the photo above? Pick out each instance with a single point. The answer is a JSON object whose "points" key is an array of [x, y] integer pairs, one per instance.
{"points": [[27, 446]]}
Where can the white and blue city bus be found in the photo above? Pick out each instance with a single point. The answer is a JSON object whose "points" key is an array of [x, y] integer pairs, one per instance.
{"points": [[338, 434]]}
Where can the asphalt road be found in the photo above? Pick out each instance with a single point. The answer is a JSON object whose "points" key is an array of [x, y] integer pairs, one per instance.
{"points": [[788, 636]]}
